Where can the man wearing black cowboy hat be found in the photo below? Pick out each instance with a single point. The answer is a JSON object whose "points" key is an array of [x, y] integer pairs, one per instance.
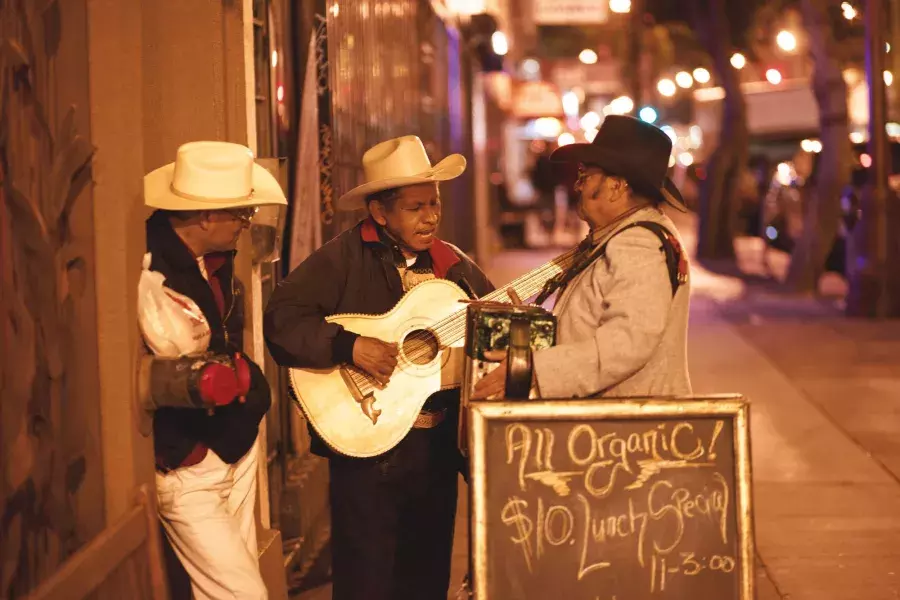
{"points": [[623, 307]]}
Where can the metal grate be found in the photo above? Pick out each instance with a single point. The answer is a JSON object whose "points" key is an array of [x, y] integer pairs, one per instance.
{"points": [[387, 64]]}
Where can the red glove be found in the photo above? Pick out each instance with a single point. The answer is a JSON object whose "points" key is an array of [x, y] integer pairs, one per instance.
{"points": [[218, 384]]}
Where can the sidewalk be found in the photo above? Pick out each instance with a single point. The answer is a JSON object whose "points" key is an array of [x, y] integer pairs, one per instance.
{"points": [[825, 432]]}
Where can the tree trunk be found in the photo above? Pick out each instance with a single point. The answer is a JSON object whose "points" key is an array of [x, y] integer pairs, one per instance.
{"points": [[718, 211], [833, 171]]}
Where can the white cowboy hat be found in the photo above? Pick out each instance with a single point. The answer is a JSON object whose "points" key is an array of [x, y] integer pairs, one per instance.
{"points": [[211, 176], [398, 163]]}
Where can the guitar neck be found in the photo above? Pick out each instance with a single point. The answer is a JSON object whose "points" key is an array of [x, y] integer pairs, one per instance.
{"points": [[525, 286]]}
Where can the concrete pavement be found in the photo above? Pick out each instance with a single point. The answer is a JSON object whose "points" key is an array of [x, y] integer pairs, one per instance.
{"points": [[825, 431]]}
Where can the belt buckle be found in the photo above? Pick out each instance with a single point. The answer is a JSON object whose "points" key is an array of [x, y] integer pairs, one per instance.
{"points": [[429, 419]]}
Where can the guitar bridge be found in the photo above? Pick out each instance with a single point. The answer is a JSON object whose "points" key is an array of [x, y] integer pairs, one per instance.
{"points": [[353, 377]]}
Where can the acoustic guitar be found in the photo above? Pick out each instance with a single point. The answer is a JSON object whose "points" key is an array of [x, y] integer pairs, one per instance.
{"points": [[348, 408]]}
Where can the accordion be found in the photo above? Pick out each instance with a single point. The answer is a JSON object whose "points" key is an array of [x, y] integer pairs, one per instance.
{"points": [[495, 332]]}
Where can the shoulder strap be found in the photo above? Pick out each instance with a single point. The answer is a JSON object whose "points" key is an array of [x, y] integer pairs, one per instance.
{"points": [[675, 259]]}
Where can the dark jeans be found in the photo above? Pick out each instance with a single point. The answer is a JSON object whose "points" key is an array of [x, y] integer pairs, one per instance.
{"points": [[392, 519]]}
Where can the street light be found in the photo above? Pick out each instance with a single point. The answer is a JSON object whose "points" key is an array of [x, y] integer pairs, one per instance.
{"points": [[570, 103], [786, 40], [666, 87], [701, 75], [620, 6], [849, 12], [499, 43], [565, 139], [648, 114], [588, 56], [774, 76], [590, 120], [738, 61], [684, 79], [621, 105]]}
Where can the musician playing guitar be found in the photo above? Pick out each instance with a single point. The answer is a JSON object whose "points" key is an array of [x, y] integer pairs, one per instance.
{"points": [[393, 514]]}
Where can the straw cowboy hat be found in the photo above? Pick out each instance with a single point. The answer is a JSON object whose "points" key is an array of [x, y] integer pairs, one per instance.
{"points": [[398, 163], [633, 150], [211, 176]]}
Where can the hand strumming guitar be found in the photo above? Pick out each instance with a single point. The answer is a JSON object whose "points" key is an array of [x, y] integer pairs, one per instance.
{"points": [[377, 358]]}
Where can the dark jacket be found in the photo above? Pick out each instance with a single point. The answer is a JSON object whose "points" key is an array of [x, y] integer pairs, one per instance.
{"points": [[352, 273], [231, 430]]}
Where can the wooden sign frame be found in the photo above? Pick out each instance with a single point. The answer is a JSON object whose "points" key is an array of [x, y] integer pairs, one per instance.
{"points": [[481, 414]]}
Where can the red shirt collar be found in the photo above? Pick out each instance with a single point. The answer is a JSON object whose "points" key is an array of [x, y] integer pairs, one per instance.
{"points": [[442, 255]]}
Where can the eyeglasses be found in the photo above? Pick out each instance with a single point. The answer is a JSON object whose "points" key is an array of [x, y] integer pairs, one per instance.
{"points": [[244, 214], [584, 174]]}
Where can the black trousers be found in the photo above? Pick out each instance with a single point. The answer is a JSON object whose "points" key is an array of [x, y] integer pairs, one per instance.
{"points": [[393, 517]]}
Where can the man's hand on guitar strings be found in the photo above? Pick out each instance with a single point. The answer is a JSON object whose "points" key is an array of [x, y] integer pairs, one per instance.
{"points": [[493, 384], [377, 358]]}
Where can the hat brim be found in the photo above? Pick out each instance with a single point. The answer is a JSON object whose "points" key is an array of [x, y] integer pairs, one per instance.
{"points": [[450, 168], [612, 161], [158, 192]]}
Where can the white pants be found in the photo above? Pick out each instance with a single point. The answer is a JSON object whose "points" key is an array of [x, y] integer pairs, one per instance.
{"points": [[207, 512]]}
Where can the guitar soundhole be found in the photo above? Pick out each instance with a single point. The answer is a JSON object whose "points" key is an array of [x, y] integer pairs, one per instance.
{"points": [[420, 347]]}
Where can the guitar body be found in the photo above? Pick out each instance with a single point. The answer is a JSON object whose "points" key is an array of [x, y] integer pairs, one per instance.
{"points": [[341, 403]]}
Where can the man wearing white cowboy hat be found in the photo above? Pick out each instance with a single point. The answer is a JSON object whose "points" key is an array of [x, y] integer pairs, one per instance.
{"points": [[393, 515], [207, 459], [623, 306]]}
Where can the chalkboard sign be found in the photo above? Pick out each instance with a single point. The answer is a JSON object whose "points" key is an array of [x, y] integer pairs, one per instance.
{"points": [[624, 499]]}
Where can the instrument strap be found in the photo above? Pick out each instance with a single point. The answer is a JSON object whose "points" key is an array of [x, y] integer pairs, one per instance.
{"points": [[676, 261]]}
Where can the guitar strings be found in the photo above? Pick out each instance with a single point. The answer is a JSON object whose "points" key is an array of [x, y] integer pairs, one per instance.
{"points": [[453, 327]]}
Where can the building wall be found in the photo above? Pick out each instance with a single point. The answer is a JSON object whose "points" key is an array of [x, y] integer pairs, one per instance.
{"points": [[132, 81], [52, 480]]}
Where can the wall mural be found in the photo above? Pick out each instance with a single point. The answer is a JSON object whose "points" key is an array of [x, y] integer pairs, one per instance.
{"points": [[44, 278]]}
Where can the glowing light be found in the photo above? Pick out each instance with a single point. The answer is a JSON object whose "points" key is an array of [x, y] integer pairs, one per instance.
{"points": [[279, 93], [888, 78], [786, 40], [590, 134], [774, 76], [621, 105], [857, 137], [671, 161], [696, 136], [667, 129], [565, 139], [531, 66], [499, 43], [620, 6], [865, 160], [666, 87], [335, 10], [784, 174], [771, 232], [686, 158], [887, 46], [588, 56], [738, 61], [812, 146], [648, 114], [892, 129], [590, 120], [570, 103], [684, 79], [274, 58], [548, 127], [701, 75], [849, 12]]}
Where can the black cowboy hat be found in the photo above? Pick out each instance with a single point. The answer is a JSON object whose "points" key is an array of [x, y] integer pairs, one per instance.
{"points": [[636, 151]]}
